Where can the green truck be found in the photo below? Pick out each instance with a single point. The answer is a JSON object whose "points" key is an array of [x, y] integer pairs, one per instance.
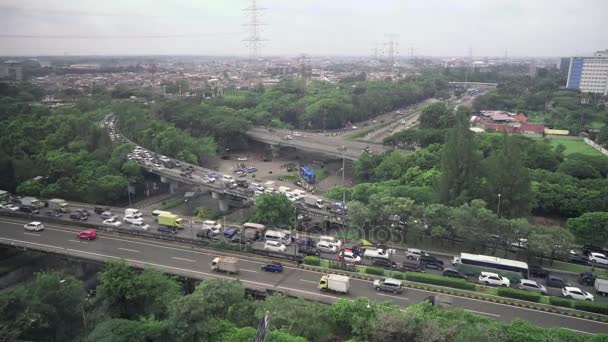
{"points": [[170, 220]]}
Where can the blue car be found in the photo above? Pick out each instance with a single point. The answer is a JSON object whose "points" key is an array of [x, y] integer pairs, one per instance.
{"points": [[251, 169], [230, 233], [274, 267]]}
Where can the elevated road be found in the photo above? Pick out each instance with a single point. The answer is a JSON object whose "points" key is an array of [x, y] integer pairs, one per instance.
{"points": [[194, 263]]}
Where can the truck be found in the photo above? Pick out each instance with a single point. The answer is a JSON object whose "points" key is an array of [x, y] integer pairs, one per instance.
{"points": [[334, 283], [601, 286], [225, 264], [57, 204], [313, 201], [32, 202], [170, 220], [253, 231], [133, 212]]}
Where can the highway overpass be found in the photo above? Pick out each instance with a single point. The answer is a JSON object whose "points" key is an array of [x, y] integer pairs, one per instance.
{"points": [[194, 263]]}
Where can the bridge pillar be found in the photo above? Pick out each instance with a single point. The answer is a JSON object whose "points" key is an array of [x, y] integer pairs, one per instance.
{"points": [[173, 184], [222, 199], [275, 150], [223, 205]]}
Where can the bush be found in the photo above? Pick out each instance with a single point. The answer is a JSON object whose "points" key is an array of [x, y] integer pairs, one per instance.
{"points": [[519, 294], [312, 261], [440, 280], [374, 270], [599, 308], [557, 301], [399, 275]]}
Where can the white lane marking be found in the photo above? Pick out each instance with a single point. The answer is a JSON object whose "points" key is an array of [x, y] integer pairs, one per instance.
{"points": [[30, 243], [26, 233], [311, 293], [189, 260], [242, 269], [128, 250], [578, 331], [481, 313], [309, 281], [78, 241], [385, 295]]}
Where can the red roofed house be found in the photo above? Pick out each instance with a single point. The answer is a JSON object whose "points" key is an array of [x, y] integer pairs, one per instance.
{"points": [[520, 118]]}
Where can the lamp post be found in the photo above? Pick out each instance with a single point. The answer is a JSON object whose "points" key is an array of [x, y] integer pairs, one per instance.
{"points": [[498, 207]]}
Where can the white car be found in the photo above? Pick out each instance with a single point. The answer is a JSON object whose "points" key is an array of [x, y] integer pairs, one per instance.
{"points": [[256, 187], [112, 222], [378, 253], [214, 226], [488, 278], [34, 226], [598, 258], [576, 293], [413, 253], [326, 247], [12, 207], [132, 219], [274, 246], [270, 190], [348, 257], [227, 179], [296, 134], [140, 225]]}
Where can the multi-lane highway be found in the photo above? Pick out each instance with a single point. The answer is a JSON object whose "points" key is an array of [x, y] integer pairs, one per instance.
{"points": [[194, 262]]}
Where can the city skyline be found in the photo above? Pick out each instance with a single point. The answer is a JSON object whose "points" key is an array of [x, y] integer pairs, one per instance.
{"points": [[188, 27]]}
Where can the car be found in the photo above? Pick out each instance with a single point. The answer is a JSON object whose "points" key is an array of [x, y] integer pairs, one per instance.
{"points": [[453, 273], [77, 215], [35, 226], [430, 261], [230, 233], [577, 259], [553, 281], [274, 267], [588, 249], [347, 256], [214, 226], [84, 211], [112, 222], [251, 169], [576, 293], [87, 234], [296, 134], [54, 213], [326, 247], [587, 278], [140, 225], [306, 242], [598, 258], [12, 207], [385, 263], [28, 209], [107, 215], [388, 285], [227, 179], [167, 230], [274, 246], [413, 253], [489, 278], [537, 271], [413, 266], [100, 209], [132, 219], [531, 285]]}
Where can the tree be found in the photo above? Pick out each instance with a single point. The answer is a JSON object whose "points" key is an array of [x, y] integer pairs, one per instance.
{"points": [[591, 228], [392, 166], [393, 326], [154, 291], [459, 163], [273, 209], [475, 222], [508, 180], [578, 169], [358, 214], [117, 287], [360, 325], [123, 330], [436, 115], [550, 241]]}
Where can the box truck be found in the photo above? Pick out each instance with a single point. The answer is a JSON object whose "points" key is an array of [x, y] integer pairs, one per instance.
{"points": [[225, 264], [601, 286], [334, 283], [170, 220], [313, 201], [58, 204]]}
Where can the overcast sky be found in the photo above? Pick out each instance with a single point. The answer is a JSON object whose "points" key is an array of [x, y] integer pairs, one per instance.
{"points": [[318, 27]]}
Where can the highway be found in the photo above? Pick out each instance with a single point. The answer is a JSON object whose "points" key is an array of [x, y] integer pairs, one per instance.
{"points": [[194, 262]]}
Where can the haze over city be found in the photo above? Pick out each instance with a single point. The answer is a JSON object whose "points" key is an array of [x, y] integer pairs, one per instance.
{"points": [[431, 28]]}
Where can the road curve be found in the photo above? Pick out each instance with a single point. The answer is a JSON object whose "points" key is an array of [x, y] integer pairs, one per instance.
{"points": [[194, 262]]}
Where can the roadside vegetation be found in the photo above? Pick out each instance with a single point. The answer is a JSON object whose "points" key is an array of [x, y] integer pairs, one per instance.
{"points": [[148, 305]]}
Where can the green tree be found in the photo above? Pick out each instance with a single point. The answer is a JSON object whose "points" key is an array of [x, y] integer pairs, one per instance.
{"points": [[153, 293], [117, 287], [475, 222], [578, 169], [360, 325], [550, 241], [435, 116], [30, 187], [273, 209], [459, 163], [591, 228], [123, 330]]}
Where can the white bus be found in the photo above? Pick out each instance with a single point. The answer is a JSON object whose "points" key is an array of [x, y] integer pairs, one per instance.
{"points": [[273, 235], [486, 262]]}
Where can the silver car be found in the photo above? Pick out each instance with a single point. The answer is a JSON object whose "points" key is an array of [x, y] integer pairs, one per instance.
{"points": [[531, 285]]}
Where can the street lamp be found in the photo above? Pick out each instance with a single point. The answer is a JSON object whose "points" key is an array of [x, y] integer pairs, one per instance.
{"points": [[498, 208]]}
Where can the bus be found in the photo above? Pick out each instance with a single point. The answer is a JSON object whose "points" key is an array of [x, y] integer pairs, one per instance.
{"points": [[308, 175], [473, 264]]}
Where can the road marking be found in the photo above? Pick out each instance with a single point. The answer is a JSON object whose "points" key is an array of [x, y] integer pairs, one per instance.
{"points": [[385, 295], [311, 293], [242, 269], [128, 250], [78, 241], [176, 258], [26, 233], [309, 281], [481, 313], [579, 331]]}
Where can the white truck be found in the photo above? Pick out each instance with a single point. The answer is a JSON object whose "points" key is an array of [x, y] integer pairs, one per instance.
{"points": [[32, 202], [225, 264], [601, 286], [378, 253], [133, 212], [334, 283], [313, 201], [58, 204]]}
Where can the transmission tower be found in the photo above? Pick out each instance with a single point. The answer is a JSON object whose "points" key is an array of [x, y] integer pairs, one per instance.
{"points": [[391, 48], [254, 40]]}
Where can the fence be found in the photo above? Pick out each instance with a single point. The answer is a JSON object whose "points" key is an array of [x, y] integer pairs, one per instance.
{"points": [[596, 146]]}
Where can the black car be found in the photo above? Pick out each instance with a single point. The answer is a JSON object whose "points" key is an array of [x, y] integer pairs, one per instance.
{"points": [[431, 262], [28, 209], [553, 281], [54, 213], [385, 263], [586, 278], [537, 271], [78, 215], [167, 230], [100, 209], [84, 212], [308, 250], [307, 242], [577, 259], [453, 273], [413, 266]]}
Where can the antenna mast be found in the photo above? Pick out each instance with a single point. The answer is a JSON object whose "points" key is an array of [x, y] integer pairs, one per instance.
{"points": [[254, 40]]}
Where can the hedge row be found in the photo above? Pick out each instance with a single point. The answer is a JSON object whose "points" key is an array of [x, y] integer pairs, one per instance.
{"points": [[599, 308], [374, 270], [519, 294], [398, 275], [312, 260], [440, 280], [558, 301]]}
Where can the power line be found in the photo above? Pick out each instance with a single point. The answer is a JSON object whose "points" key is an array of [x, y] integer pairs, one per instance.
{"points": [[254, 40], [69, 36]]}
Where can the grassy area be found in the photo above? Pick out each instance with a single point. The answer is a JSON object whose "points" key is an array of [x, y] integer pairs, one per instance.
{"points": [[170, 203], [575, 146], [321, 174]]}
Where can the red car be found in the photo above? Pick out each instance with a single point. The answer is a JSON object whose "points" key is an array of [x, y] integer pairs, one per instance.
{"points": [[88, 234], [348, 256]]}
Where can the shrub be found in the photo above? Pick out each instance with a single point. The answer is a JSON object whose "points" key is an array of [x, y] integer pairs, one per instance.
{"points": [[399, 275], [557, 301], [440, 280], [519, 294], [374, 270], [312, 260], [599, 308]]}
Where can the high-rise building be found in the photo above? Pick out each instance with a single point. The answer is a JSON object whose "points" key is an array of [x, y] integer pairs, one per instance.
{"points": [[589, 74]]}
